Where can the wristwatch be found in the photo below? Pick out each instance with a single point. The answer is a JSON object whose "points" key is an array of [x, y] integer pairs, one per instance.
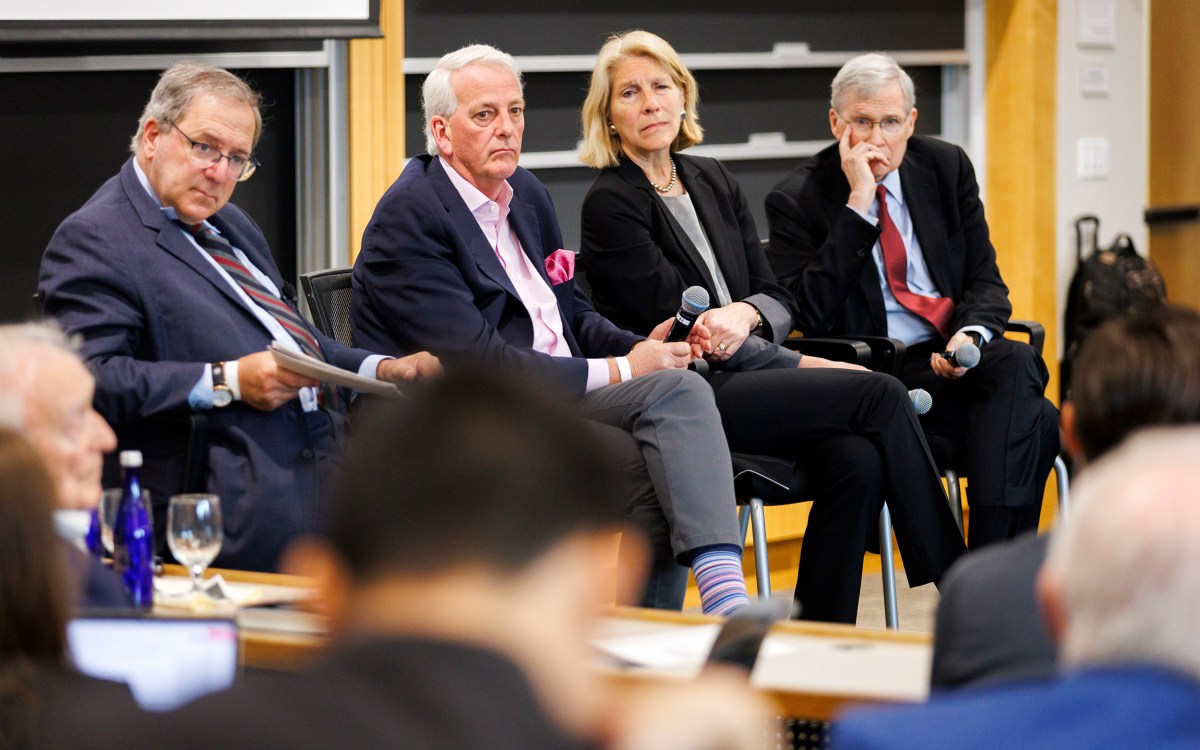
{"points": [[222, 396]]}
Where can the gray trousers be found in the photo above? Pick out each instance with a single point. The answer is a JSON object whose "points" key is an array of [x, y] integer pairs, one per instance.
{"points": [[674, 425]]}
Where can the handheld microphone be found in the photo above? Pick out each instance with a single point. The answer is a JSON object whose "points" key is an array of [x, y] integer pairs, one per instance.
{"points": [[921, 400], [695, 301], [966, 356]]}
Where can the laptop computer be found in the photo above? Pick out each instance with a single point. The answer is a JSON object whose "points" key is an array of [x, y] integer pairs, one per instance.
{"points": [[165, 661]]}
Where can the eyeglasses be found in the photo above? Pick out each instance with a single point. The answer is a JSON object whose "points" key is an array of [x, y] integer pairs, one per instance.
{"points": [[241, 168], [864, 125]]}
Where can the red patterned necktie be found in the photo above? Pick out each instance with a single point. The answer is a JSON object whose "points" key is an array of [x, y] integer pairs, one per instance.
{"points": [[222, 252], [936, 310]]}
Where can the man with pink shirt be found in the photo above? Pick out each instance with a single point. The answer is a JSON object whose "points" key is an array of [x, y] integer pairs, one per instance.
{"points": [[464, 257]]}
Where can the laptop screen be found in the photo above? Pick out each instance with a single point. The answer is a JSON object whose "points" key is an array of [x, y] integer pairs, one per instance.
{"points": [[166, 662]]}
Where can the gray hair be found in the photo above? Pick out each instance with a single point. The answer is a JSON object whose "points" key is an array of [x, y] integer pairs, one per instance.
{"points": [[437, 92], [185, 80], [865, 75], [1127, 560], [16, 340]]}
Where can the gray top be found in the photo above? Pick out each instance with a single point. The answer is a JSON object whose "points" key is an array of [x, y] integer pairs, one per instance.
{"points": [[685, 213]]}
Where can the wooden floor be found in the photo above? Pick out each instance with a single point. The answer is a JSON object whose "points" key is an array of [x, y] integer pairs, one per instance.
{"points": [[916, 607]]}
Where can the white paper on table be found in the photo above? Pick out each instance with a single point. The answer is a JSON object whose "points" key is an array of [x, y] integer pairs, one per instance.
{"points": [[670, 648], [314, 368]]}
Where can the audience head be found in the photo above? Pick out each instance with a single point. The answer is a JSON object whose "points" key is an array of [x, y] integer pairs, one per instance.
{"points": [[471, 471], [873, 97], [474, 105], [46, 394], [196, 137], [1134, 371], [602, 132], [1121, 583], [34, 604]]}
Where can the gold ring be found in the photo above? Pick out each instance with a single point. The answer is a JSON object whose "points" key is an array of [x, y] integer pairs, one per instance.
{"points": [[722, 346]]}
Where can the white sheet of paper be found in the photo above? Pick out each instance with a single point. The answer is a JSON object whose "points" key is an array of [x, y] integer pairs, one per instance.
{"points": [[327, 373]]}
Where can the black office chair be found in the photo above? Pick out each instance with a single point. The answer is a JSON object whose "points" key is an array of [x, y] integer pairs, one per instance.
{"points": [[759, 480], [328, 295]]}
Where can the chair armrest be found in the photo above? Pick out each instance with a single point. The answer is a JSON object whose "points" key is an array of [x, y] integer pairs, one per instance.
{"points": [[1031, 328], [885, 354], [840, 350]]}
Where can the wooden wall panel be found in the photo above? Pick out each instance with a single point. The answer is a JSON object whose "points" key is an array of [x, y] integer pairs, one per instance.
{"points": [[1175, 142], [1020, 114], [376, 114]]}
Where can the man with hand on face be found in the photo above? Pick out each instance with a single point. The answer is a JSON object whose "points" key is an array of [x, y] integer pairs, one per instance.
{"points": [[176, 297], [464, 257], [883, 233]]}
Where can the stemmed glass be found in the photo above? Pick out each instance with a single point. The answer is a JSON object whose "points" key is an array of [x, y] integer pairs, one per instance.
{"points": [[194, 532]]}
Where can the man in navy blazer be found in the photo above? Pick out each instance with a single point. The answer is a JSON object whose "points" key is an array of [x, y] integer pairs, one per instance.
{"points": [[923, 271], [464, 257], [171, 326], [1120, 589]]}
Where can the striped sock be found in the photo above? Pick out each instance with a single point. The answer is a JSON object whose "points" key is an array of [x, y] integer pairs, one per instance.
{"points": [[718, 571]]}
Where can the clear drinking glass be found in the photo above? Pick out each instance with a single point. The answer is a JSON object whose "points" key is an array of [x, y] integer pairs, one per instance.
{"points": [[194, 532], [110, 501]]}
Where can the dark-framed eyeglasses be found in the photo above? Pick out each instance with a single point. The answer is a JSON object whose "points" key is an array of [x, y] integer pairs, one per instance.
{"points": [[890, 125], [241, 168]]}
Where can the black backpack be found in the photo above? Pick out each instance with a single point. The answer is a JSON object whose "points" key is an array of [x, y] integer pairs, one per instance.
{"points": [[1108, 283]]}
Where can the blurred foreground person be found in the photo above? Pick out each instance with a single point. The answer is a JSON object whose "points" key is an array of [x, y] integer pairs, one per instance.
{"points": [[468, 554], [36, 683], [1121, 594], [46, 396]]}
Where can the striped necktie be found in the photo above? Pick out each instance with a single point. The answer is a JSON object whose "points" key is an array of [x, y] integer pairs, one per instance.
{"points": [[222, 252]]}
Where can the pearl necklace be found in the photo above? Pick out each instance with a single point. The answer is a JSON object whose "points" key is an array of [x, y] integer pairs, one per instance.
{"points": [[671, 184]]}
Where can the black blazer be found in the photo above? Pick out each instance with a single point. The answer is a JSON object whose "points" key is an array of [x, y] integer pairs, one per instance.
{"points": [[821, 249], [639, 260]]}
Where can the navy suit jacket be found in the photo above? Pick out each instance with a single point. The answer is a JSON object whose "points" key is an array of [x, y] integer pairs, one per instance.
{"points": [[427, 279], [1128, 706], [152, 312], [821, 249]]}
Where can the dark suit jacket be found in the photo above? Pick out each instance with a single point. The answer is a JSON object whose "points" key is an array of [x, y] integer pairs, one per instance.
{"points": [[427, 278], [821, 249], [1121, 706], [989, 625], [152, 312], [639, 260], [399, 693]]}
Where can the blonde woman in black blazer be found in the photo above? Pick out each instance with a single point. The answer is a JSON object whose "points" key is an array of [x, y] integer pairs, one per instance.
{"points": [[656, 222]]}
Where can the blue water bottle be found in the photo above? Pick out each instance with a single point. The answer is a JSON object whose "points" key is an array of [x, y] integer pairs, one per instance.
{"points": [[133, 535]]}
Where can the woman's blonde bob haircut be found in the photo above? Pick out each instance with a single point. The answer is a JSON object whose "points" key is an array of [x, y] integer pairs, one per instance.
{"points": [[601, 147]]}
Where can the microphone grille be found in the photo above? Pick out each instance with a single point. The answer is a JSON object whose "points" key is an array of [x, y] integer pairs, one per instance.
{"points": [[695, 299], [921, 400], [967, 355]]}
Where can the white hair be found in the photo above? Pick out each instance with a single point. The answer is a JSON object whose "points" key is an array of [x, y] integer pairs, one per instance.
{"points": [[437, 92], [16, 342], [1128, 559], [863, 76]]}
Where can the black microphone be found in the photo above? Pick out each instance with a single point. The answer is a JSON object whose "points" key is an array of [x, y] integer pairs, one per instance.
{"points": [[966, 356], [921, 400], [695, 301]]}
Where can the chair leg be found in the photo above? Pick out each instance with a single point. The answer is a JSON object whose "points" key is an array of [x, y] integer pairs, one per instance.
{"points": [[744, 520], [954, 493], [888, 563], [1063, 482], [762, 568]]}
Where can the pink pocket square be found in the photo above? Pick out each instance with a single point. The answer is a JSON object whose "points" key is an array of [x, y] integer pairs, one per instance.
{"points": [[560, 266]]}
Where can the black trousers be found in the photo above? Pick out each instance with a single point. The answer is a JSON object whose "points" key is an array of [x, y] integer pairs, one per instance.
{"points": [[857, 434], [996, 427]]}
